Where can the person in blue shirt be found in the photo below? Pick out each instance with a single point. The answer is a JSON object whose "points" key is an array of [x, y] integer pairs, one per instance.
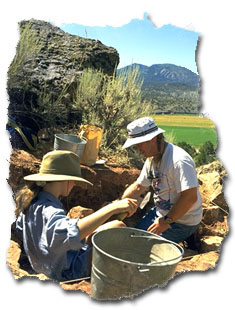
{"points": [[56, 245]]}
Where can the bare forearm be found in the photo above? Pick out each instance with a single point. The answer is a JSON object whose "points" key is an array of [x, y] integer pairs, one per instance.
{"points": [[90, 223], [180, 208], [183, 204], [134, 191]]}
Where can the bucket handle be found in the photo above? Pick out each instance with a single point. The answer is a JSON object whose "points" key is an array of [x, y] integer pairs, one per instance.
{"points": [[162, 239], [142, 270]]}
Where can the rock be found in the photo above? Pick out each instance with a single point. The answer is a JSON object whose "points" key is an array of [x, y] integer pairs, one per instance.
{"points": [[215, 209], [46, 67], [211, 180], [211, 214], [201, 262], [219, 200], [217, 229], [79, 212], [211, 243]]}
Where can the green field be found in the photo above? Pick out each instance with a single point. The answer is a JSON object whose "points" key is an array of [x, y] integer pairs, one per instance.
{"points": [[192, 129]]}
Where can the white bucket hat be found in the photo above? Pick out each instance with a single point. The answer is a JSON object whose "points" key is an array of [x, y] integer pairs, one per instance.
{"points": [[141, 130]]}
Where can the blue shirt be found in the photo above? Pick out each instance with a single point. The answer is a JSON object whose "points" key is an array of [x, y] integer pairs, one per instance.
{"points": [[51, 239]]}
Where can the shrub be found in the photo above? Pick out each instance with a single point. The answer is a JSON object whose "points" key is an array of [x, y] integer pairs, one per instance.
{"points": [[28, 46], [208, 148], [110, 102], [188, 148], [206, 154]]}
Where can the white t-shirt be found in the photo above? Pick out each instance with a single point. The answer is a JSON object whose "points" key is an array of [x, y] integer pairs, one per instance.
{"points": [[175, 174]]}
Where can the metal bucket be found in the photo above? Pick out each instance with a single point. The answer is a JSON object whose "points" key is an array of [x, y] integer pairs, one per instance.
{"points": [[127, 261], [69, 143]]}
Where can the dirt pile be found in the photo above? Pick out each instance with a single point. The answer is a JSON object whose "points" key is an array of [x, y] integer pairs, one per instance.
{"points": [[201, 251]]}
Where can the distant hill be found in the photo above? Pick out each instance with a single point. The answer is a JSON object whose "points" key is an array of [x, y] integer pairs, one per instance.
{"points": [[170, 88]]}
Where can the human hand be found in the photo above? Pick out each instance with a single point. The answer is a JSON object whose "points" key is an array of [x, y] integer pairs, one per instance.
{"points": [[158, 226], [125, 206]]}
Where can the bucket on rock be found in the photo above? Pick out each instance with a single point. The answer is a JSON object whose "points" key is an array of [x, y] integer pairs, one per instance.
{"points": [[127, 261], [69, 143]]}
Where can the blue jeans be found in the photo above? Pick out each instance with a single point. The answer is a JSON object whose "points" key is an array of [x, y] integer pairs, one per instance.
{"points": [[79, 264], [176, 232]]}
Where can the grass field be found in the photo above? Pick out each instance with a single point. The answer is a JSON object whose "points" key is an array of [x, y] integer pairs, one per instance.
{"points": [[192, 129]]}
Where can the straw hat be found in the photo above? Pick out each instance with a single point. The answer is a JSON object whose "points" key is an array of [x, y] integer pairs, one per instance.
{"points": [[141, 130], [59, 166]]}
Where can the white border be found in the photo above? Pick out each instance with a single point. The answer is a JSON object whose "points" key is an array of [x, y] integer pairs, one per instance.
{"points": [[214, 20]]}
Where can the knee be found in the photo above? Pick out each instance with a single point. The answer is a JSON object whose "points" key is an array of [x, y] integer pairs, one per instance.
{"points": [[117, 223]]}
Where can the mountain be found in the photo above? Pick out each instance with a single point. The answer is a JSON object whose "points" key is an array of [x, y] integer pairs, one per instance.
{"points": [[165, 73], [170, 88]]}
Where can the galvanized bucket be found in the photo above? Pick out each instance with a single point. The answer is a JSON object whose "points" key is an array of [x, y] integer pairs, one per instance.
{"points": [[70, 143], [127, 261]]}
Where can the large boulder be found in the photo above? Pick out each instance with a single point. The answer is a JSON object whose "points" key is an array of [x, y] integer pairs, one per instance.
{"points": [[45, 70]]}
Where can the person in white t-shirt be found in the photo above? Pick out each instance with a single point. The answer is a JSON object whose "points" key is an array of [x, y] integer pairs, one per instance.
{"points": [[171, 173]]}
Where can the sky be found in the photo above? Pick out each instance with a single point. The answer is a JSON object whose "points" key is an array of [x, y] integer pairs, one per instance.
{"points": [[140, 41], [215, 23]]}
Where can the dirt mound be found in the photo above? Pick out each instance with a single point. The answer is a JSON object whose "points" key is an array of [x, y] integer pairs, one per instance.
{"points": [[201, 251]]}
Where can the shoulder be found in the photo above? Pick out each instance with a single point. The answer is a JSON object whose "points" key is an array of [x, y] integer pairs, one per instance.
{"points": [[46, 204], [178, 158], [179, 154]]}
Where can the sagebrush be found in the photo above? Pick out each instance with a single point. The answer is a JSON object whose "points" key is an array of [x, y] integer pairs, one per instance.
{"points": [[110, 102]]}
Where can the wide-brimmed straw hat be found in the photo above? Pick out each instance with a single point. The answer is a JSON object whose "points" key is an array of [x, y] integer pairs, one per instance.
{"points": [[141, 130], [59, 166]]}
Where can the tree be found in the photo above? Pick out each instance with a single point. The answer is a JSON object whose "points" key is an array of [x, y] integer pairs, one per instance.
{"points": [[188, 148], [208, 148]]}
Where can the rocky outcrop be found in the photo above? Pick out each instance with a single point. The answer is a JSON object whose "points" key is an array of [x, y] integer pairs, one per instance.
{"points": [[45, 69], [214, 226]]}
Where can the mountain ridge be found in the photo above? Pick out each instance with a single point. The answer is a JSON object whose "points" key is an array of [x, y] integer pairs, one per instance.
{"points": [[170, 88], [165, 73]]}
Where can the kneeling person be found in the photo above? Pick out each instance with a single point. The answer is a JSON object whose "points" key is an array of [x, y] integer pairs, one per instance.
{"points": [[171, 173]]}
